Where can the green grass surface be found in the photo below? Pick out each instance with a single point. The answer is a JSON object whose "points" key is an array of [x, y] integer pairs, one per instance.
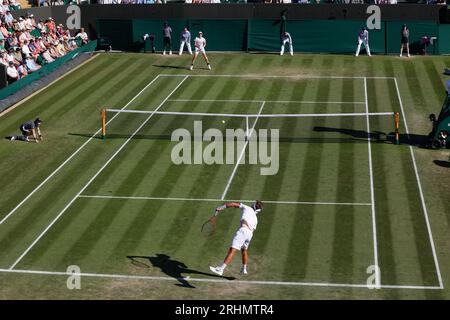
{"points": [[300, 250]]}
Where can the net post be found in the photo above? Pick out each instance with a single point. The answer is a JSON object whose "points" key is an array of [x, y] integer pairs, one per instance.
{"points": [[397, 122], [103, 114]]}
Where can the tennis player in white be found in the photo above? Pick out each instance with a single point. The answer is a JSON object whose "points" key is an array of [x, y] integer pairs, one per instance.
{"points": [[200, 44], [243, 236], [286, 38]]}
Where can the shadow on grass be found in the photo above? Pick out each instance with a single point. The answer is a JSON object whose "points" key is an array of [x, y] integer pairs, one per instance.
{"points": [[440, 163], [170, 67], [170, 267], [347, 136], [378, 136]]}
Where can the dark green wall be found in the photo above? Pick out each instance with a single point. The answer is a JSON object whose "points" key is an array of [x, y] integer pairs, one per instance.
{"points": [[327, 36]]}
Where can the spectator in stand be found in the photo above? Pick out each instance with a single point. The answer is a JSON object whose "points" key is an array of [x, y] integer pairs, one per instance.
{"points": [[47, 57], [22, 70], [167, 33], [18, 54], [8, 18], [405, 39], [59, 47], [26, 50], [12, 58], [83, 36], [185, 39], [4, 31], [31, 64], [51, 26], [12, 73]]}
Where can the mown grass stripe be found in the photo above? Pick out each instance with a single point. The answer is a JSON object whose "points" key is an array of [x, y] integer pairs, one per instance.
{"points": [[344, 220], [301, 234], [274, 224]]}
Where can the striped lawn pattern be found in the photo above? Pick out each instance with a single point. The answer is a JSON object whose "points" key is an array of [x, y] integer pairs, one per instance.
{"points": [[322, 160]]}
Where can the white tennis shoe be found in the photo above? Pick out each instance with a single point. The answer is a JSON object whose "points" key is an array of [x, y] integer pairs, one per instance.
{"points": [[216, 270], [244, 271]]}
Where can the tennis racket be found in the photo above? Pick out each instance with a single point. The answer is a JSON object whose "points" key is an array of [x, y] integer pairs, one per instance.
{"points": [[209, 227]]}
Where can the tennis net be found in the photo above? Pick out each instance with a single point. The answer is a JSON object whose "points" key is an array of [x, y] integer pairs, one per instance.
{"points": [[318, 127]]}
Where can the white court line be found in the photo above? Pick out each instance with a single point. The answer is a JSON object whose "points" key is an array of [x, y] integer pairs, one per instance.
{"points": [[242, 153], [93, 178], [372, 194], [227, 200], [247, 282], [72, 155], [273, 76], [419, 184], [267, 101]]}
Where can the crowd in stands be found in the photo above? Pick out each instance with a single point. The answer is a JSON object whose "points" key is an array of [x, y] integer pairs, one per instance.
{"points": [[266, 1], [27, 45], [9, 5]]}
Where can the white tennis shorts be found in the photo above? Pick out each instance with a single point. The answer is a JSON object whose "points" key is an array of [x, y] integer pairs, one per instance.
{"points": [[202, 50], [242, 239]]}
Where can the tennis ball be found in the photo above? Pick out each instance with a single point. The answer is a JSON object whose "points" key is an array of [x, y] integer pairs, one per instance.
{"points": [[223, 121]]}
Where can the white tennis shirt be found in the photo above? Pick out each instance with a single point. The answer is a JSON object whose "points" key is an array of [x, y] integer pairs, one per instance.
{"points": [[249, 215]]}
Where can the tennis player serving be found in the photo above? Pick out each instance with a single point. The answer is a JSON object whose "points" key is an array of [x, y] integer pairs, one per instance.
{"points": [[243, 236], [200, 44]]}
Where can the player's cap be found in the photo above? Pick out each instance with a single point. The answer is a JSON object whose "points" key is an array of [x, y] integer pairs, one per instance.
{"points": [[200, 32], [38, 121]]}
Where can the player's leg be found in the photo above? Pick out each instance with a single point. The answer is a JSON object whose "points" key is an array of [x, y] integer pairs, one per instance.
{"points": [[206, 59], [291, 48], [407, 49], [401, 50], [282, 48], [366, 45], [244, 253], [181, 47], [228, 259], [236, 244], [358, 48], [188, 45], [193, 59], [170, 45]]}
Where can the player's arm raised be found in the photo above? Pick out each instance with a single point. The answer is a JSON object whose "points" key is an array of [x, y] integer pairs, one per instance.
{"points": [[227, 205]]}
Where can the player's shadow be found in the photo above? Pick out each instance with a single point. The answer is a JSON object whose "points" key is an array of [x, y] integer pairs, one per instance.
{"points": [[378, 136], [440, 163], [170, 67], [173, 268]]}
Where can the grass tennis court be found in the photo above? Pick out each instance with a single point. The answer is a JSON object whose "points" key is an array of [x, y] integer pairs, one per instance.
{"points": [[118, 208]]}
